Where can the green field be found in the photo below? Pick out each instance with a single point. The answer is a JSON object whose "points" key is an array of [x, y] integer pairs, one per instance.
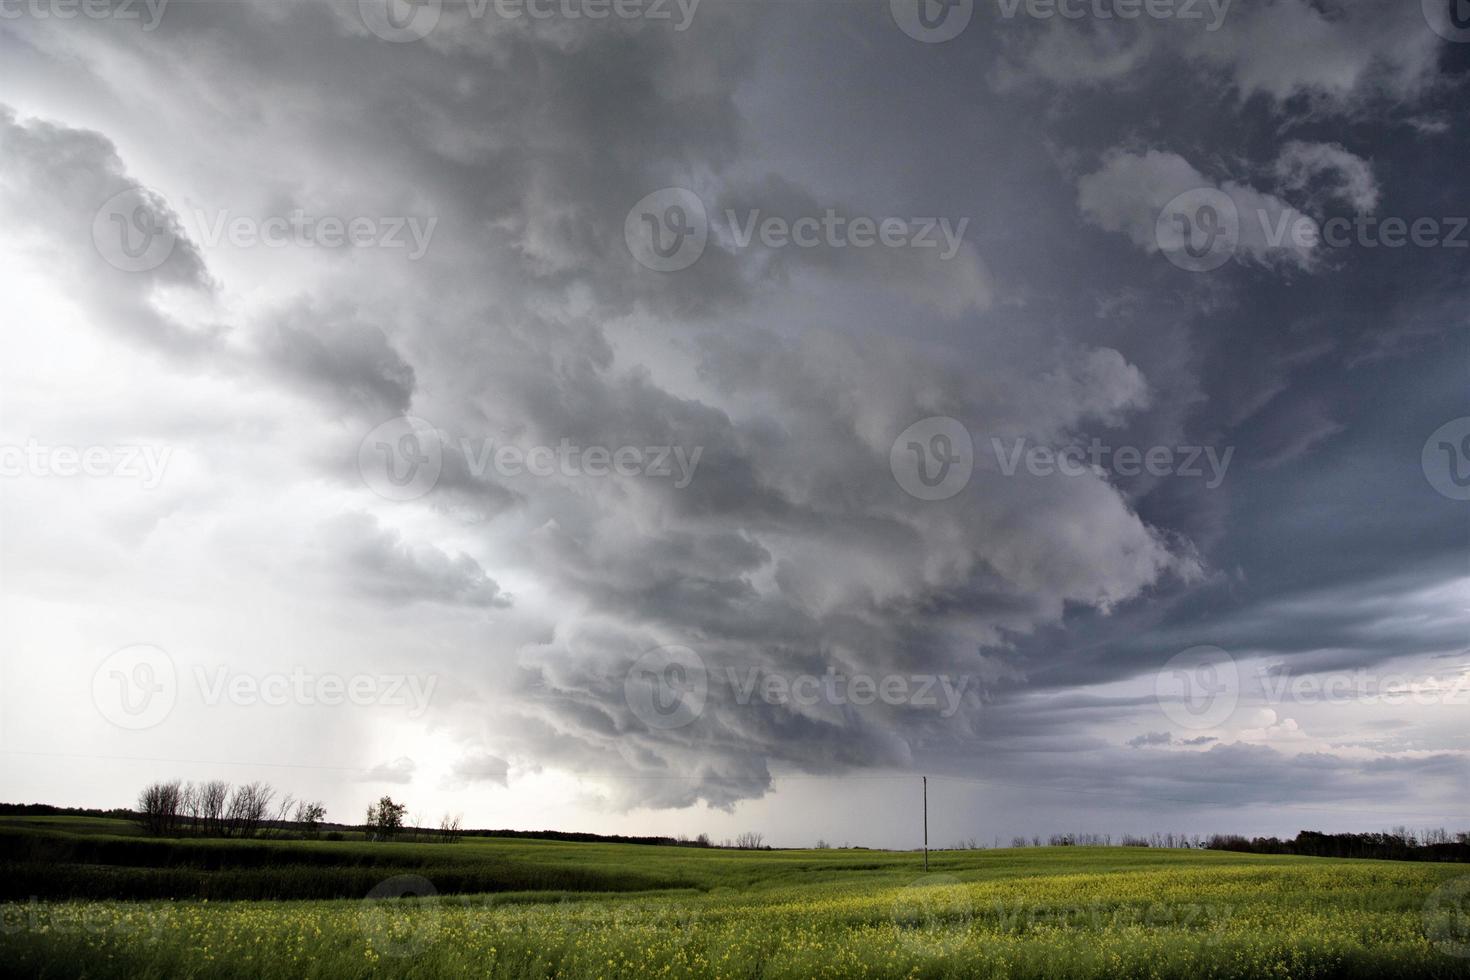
{"points": [[523, 908]]}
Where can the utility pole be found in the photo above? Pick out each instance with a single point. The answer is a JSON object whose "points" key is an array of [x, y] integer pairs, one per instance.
{"points": [[926, 824]]}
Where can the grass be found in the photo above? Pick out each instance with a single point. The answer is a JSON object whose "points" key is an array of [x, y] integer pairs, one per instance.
{"points": [[521, 908]]}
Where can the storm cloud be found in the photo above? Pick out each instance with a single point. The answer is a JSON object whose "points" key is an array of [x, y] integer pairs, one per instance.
{"points": [[524, 459]]}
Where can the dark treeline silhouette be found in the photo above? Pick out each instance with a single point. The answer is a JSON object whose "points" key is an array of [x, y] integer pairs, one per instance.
{"points": [[334, 830], [47, 810], [1399, 844], [167, 809], [218, 809]]}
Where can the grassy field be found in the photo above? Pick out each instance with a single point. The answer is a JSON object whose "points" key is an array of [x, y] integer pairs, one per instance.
{"points": [[519, 908]]}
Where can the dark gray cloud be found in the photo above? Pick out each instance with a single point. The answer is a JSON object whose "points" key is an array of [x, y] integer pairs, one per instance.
{"points": [[339, 360], [791, 549], [378, 563]]}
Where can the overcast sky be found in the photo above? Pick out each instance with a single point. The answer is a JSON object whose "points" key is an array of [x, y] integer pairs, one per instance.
{"points": [[712, 416]]}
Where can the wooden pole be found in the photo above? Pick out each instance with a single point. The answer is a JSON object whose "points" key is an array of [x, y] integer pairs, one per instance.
{"points": [[926, 824]]}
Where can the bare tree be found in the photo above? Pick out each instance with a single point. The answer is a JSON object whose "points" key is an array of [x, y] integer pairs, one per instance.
{"points": [[449, 827], [212, 797], [189, 807], [247, 810], [750, 841], [277, 822], [159, 806]]}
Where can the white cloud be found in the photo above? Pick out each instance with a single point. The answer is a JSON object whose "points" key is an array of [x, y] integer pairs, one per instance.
{"points": [[1131, 191], [1327, 172]]}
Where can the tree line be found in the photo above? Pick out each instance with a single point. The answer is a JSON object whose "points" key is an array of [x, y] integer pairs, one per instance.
{"points": [[218, 809], [1398, 844]]}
